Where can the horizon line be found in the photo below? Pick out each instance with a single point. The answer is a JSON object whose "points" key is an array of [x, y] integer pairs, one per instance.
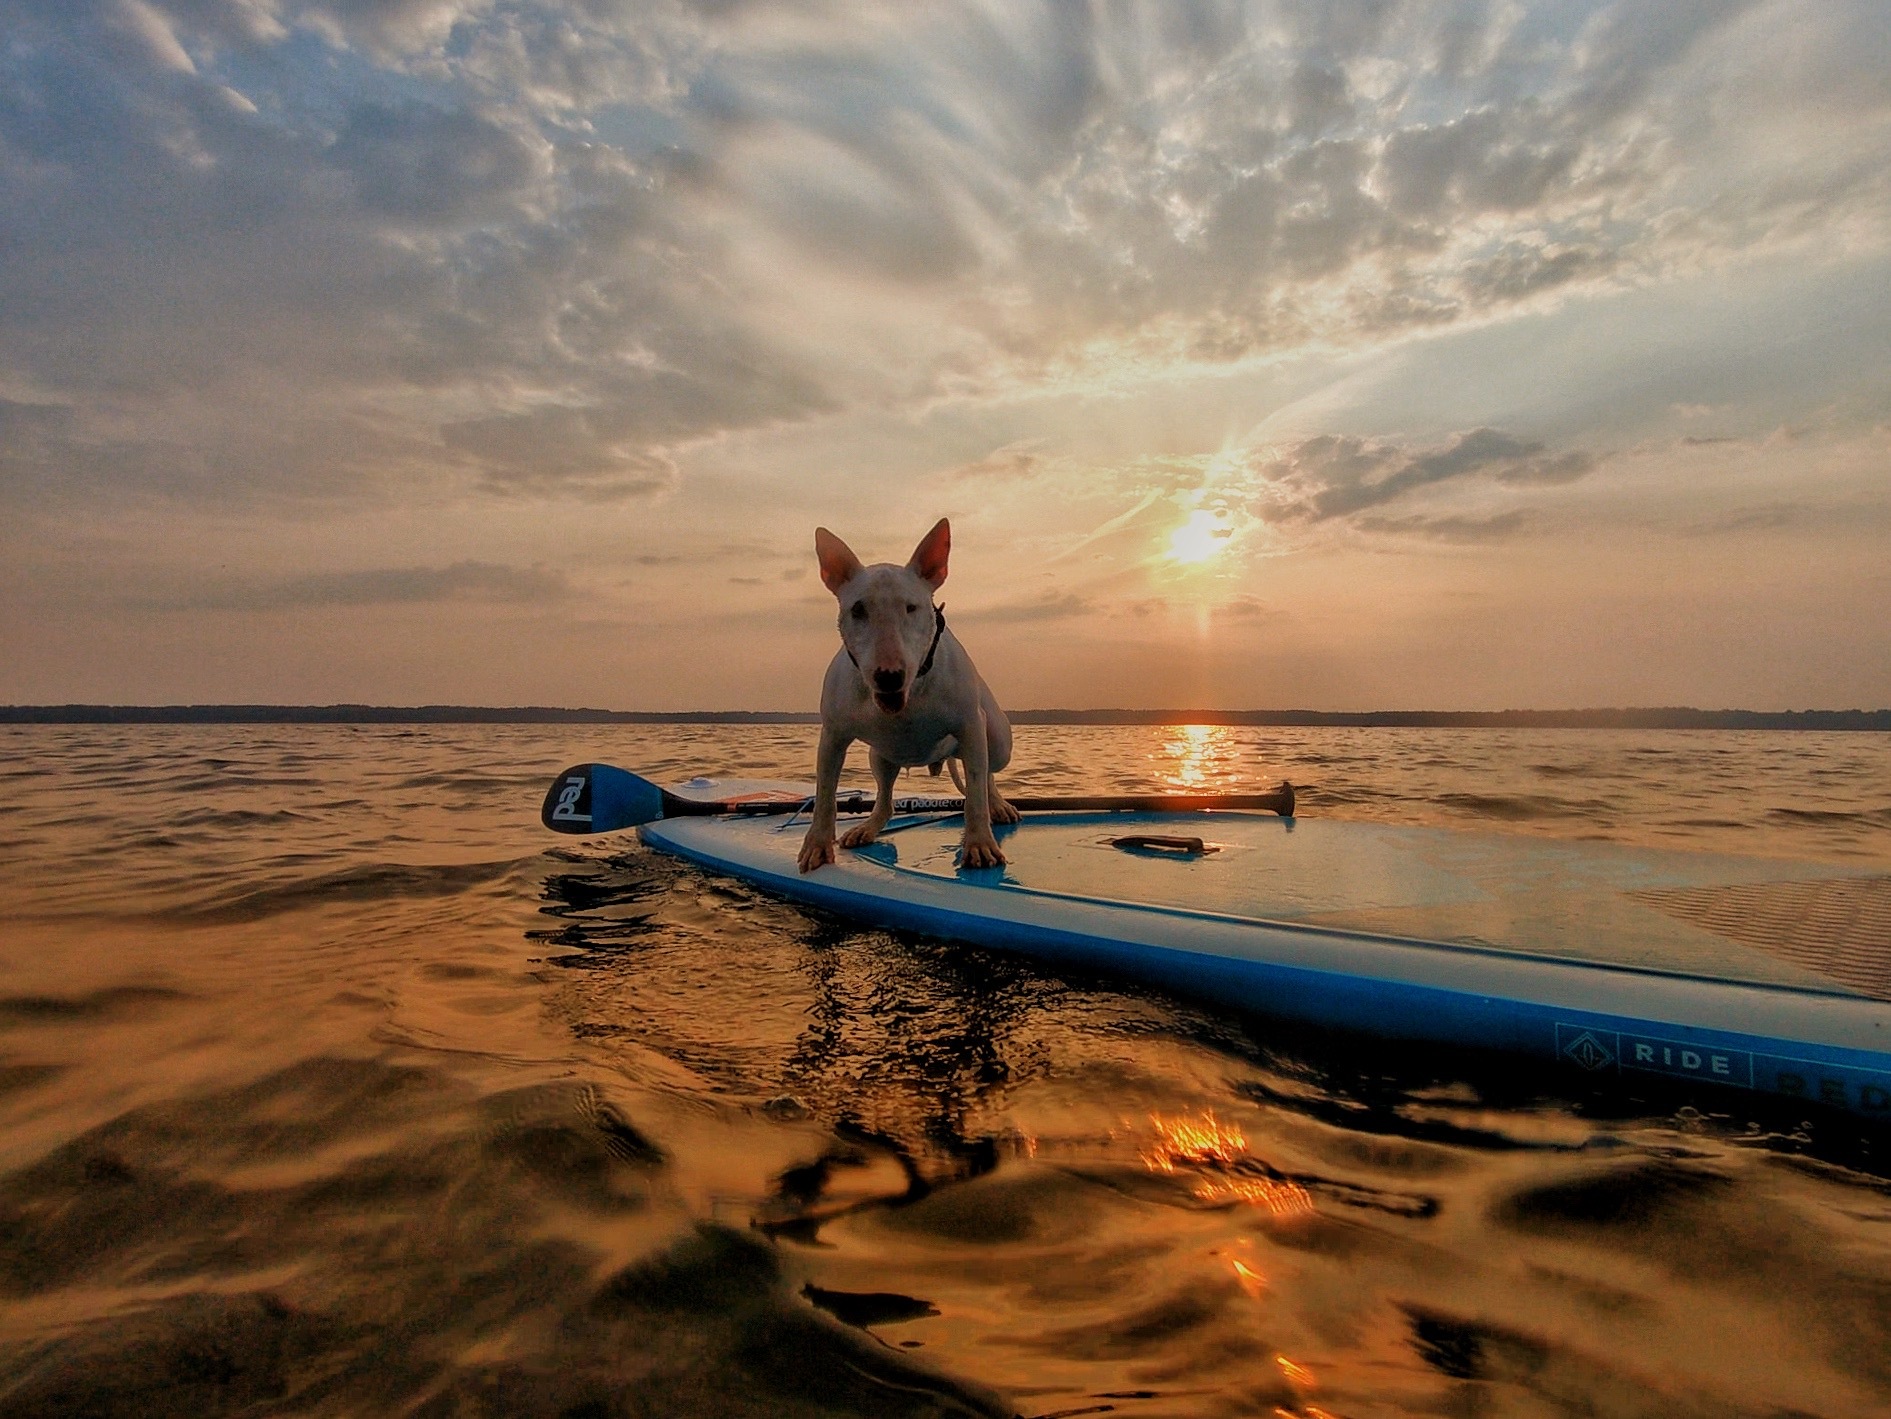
{"points": [[1633, 717]]}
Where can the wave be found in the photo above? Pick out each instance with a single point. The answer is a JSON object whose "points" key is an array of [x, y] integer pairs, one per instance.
{"points": [[372, 882], [1519, 807], [224, 782], [370, 1278], [471, 783], [1877, 817], [113, 1000], [233, 818], [1562, 770]]}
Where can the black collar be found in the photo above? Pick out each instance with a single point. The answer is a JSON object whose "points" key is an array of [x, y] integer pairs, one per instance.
{"points": [[938, 613]]}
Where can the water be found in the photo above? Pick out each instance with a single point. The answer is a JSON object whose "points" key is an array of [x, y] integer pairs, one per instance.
{"points": [[330, 1084]]}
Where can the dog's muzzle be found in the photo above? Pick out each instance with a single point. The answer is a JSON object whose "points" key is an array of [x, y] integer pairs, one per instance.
{"points": [[889, 690]]}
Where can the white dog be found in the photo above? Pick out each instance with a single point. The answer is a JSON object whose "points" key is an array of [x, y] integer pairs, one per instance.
{"points": [[902, 682]]}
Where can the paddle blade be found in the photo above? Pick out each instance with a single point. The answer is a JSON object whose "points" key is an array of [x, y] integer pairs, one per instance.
{"points": [[598, 798]]}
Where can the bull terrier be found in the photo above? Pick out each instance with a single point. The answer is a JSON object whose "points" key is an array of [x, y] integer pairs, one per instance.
{"points": [[902, 682]]}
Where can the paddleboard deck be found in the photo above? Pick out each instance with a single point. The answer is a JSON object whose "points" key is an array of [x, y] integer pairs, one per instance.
{"points": [[1614, 960]]}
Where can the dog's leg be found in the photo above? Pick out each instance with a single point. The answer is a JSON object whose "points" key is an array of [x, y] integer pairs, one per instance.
{"points": [[978, 848], [998, 750], [885, 773], [817, 848], [1001, 811], [998, 754]]}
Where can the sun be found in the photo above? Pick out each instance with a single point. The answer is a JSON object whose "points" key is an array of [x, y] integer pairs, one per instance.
{"points": [[1201, 537]]}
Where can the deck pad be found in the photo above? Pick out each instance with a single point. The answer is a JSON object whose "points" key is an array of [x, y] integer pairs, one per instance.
{"points": [[1698, 914]]}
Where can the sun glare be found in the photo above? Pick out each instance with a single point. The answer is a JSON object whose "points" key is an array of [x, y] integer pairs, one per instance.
{"points": [[1193, 752], [1198, 539]]}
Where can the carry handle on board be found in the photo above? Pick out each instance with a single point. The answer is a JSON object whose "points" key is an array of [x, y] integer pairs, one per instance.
{"points": [[1167, 845], [601, 798]]}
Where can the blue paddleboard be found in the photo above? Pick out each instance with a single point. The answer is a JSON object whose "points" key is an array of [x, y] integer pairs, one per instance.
{"points": [[1616, 961]]}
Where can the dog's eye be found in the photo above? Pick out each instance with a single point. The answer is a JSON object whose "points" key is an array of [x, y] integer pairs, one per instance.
{"points": [[860, 611], [911, 606]]}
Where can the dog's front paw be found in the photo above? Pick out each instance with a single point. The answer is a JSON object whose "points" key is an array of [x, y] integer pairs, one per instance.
{"points": [[817, 850], [1001, 811], [980, 850], [859, 835]]}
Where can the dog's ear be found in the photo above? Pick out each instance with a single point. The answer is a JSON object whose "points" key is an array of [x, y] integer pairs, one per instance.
{"points": [[929, 557], [839, 565]]}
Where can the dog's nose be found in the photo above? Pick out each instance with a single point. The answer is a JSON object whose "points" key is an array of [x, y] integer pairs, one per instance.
{"points": [[889, 681]]}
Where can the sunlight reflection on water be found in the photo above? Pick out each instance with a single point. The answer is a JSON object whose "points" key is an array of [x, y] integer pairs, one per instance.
{"points": [[1197, 755]]}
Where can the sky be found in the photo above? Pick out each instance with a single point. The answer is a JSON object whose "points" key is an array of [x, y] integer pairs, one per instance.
{"points": [[1311, 354]]}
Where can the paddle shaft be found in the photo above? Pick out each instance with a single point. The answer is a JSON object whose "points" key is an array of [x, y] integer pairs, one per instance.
{"points": [[1280, 800]]}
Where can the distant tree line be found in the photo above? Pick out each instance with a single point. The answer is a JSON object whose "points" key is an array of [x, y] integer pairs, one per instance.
{"points": [[1668, 718]]}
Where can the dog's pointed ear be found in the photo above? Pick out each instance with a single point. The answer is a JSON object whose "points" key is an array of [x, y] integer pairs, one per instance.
{"points": [[929, 557], [839, 565]]}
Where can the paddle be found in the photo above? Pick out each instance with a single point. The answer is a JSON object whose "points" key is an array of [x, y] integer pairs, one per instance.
{"points": [[599, 798]]}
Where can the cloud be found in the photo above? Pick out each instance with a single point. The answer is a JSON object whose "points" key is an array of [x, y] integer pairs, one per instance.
{"points": [[638, 229], [364, 241], [559, 449], [868, 205], [1555, 469], [1050, 606], [151, 30], [1339, 186], [432, 167], [1474, 164], [230, 23], [1243, 607], [1334, 476], [1524, 269], [1463, 530], [462, 581], [1013, 462], [24, 423], [1768, 517], [390, 30]]}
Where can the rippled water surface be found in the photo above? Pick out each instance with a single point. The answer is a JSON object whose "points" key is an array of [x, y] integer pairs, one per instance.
{"points": [[330, 1084]]}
